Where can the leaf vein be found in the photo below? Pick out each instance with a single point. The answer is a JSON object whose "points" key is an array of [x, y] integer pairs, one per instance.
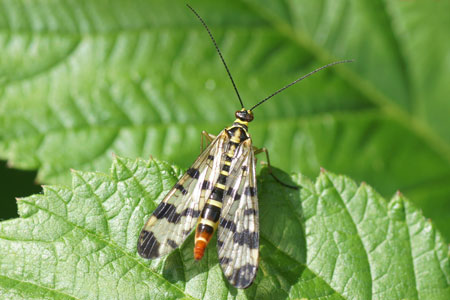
{"points": [[299, 263], [108, 242], [28, 283], [348, 211]]}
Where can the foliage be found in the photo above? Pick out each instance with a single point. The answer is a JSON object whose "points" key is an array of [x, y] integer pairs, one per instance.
{"points": [[331, 239], [80, 80]]}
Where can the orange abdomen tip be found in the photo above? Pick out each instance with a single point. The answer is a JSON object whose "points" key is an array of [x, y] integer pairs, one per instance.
{"points": [[199, 249]]}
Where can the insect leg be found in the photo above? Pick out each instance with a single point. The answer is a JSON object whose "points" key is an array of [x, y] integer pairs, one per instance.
{"points": [[208, 136], [257, 151]]}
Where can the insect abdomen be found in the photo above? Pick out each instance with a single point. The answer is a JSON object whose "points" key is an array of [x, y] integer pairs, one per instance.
{"points": [[209, 220]]}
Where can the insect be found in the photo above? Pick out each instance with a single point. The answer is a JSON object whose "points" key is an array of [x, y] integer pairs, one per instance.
{"points": [[218, 192]]}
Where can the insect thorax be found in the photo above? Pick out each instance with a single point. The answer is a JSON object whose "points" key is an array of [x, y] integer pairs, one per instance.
{"points": [[238, 132]]}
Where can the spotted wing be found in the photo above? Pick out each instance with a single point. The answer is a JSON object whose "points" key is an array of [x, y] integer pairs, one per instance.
{"points": [[238, 232], [176, 215]]}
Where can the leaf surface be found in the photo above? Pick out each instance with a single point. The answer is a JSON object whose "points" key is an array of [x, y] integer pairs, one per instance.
{"points": [[81, 80], [332, 239]]}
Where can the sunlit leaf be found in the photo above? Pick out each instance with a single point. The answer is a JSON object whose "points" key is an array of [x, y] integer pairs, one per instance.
{"points": [[331, 239]]}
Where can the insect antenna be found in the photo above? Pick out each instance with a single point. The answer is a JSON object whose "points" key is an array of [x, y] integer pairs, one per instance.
{"points": [[218, 51], [300, 79]]}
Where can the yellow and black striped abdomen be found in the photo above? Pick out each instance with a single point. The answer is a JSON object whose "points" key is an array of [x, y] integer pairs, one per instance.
{"points": [[210, 215]]}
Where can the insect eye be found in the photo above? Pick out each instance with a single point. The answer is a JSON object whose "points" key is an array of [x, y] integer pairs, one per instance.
{"points": [[244, 115], [249, 116]]}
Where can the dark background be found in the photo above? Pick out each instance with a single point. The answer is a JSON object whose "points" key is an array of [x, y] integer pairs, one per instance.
{"points": [[15, 183]]}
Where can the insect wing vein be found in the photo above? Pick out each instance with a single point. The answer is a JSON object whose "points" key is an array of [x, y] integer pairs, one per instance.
{"points": [[176, 215], [238, 232]]}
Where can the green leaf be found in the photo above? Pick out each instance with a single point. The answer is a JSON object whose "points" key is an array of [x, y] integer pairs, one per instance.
{"points": [[331, 239], [80, 80]]}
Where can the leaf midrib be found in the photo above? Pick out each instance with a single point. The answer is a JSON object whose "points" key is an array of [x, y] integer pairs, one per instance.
{"points": [[28, 283], [410, 248], [107, 242], [386, 104]]}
